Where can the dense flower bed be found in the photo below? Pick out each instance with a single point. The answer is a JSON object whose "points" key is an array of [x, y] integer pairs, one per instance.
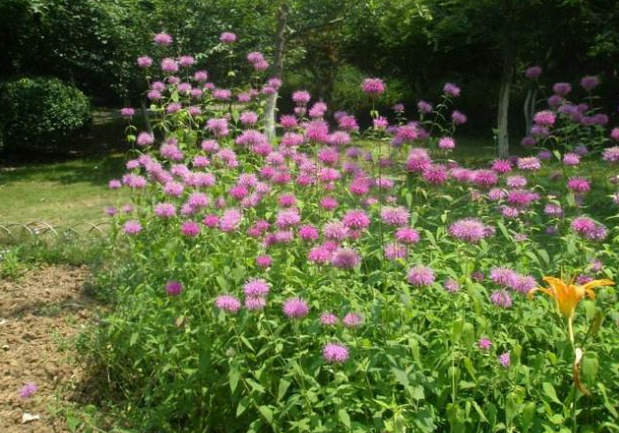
{"points": [[341, 280]]}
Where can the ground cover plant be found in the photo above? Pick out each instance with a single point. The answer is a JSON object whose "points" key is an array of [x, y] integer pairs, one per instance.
{"points": [[316, 284]]}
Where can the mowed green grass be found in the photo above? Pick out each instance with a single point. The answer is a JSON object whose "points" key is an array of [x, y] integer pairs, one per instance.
{"points": [[66, 189], [62, 193]]}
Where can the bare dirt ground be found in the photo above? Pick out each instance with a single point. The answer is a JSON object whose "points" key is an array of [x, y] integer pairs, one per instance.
{"points": [[40, 315]]}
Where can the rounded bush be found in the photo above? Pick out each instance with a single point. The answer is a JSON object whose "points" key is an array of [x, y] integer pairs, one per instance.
{"points": [[39, 113]]}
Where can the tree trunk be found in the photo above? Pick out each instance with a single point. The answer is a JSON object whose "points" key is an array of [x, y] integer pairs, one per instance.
{"points": [[503, 112], [529, 109], [145, 116], [277, 69]]}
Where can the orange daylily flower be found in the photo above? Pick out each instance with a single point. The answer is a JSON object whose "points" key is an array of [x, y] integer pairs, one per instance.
{"points": [[568, 295]]}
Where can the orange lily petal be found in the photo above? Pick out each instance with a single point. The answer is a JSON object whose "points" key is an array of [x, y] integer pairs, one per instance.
{"points": [[598, 283], [541, 289]]}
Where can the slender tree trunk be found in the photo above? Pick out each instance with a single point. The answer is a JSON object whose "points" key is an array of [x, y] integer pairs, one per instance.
{"points": [[277, 69], [503, 111], [529, 109], [145, 116], [527, 106]]}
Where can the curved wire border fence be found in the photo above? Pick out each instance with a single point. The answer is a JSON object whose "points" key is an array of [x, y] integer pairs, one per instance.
{"points": [[37, 229]]}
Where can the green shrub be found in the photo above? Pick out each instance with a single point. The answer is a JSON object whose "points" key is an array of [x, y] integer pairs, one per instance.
{"points": [[39, 113]]}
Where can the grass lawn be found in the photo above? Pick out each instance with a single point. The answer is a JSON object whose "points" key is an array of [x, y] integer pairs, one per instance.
{"points": [[62, 193], [68, 189]]}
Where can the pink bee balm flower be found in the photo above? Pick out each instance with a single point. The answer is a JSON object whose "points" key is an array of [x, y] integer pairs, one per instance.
{"points": [[458, 118], [420, 276], [28, 390], [256, 288], [578, 185], [503, 276], [228, 303], [227, 38], [328, 319], [144, 62], [530, 163], [446, 143], [296, 308], [501, 298], [328, 203], [504, 359], [335, 353], [230, 220], [562, 89], [612, 153], [127, 112], [373, 86], [345, 258], [191, 229], [255, 303], [484, 343], [356, 219], [589, 82], [132, 227], [301, 97], [502, 166], [319, 255], [395, 216], [451, 285], [145, 139], [264, 261], [162, 39], [469, 230], [394, 251], [169, 65], [533, 72], [424, 107], [452, 90], [407, 235], [174, 288], [165, 210], [545, 118], [352, 320]]}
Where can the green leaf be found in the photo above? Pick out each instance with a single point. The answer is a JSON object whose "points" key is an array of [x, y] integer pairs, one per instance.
{"points": [[283, 388], [242, 406], [234, 377], [480, 412], [222, 283], [72, 423], [511, 406], [267, 413], [549, 390], [401, 376], [256, 386], [590, 367], [344, 418]]}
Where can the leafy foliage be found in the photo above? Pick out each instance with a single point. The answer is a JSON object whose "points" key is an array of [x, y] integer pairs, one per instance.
{"points": [[211, 196], [39, 113]]}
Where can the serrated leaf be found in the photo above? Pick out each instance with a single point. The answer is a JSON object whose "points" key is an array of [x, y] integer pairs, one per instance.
{"points": [[234, 377], [283, 388], [267, 413], [344, 417], [401, 376], [549, 390]]}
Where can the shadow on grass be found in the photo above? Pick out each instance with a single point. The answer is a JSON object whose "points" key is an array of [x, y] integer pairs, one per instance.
{"points": [[94, 157]]}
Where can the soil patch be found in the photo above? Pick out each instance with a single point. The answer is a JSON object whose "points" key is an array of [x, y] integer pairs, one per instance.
{"points": [[39, 317]]}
